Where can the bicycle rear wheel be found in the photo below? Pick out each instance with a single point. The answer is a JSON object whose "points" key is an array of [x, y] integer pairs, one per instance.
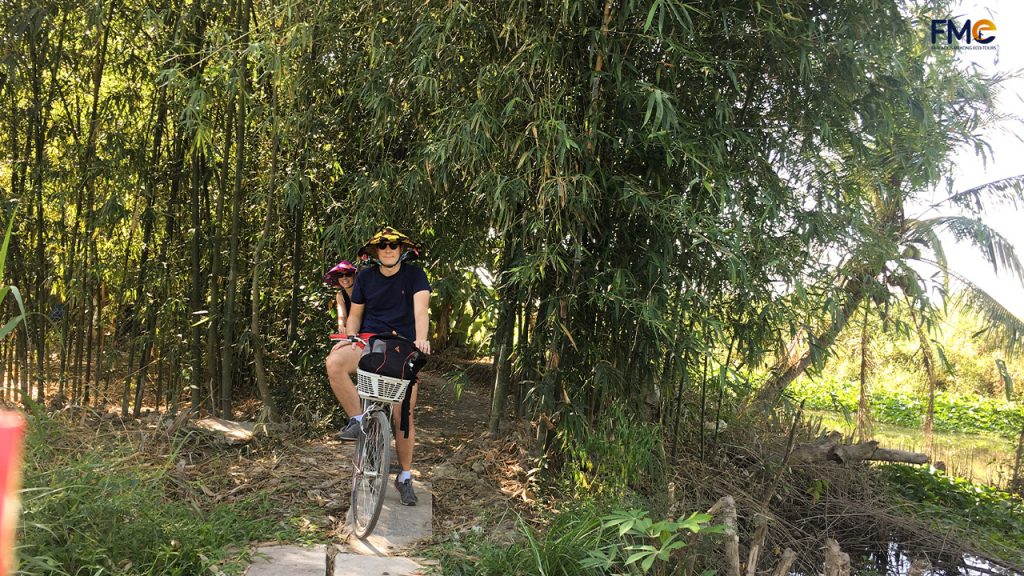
{"points": [[370, 474]]}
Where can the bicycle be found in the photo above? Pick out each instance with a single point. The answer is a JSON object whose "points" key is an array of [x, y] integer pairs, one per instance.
{"points": [[372, 459]]}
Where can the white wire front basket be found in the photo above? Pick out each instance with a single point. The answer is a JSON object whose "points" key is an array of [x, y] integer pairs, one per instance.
{"points": [[382, 388]]}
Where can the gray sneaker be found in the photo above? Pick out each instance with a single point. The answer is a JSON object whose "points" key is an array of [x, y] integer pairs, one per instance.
{"points": [[350, 432], [405, 492]]}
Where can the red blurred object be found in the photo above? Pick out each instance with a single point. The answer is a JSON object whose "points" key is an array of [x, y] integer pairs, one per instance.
{"points": [[12, 429], [337, 336]]}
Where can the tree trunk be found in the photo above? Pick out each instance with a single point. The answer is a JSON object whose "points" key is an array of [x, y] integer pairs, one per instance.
{"points": [[725, 508], [196, 288], [297, 262], [929, 366], [197, 284], [228, 351], [90, 326], [142, 293], [23, 366], [787, 372], [79, 342], [864, 431], [1017, 483], [837, 562], [100, 339], [8, 373], [177, 164], [831, 449], [89, 184], [503, 336], [262, 383], [213, 356]]}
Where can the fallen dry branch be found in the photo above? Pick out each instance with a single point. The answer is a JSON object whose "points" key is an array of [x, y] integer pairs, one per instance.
{"points": [[831, 449]]}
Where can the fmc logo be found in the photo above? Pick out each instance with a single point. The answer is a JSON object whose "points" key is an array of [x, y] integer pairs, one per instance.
{"points": [[978, 32]]}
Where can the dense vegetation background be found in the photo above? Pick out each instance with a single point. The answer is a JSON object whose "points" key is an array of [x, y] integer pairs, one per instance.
{"points": [[650, 214]]}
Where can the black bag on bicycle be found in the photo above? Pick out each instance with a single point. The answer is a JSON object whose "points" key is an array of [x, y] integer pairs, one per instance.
{"points": [[392, 356]]}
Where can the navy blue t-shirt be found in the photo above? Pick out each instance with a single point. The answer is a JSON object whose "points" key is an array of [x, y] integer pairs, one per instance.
{"points": [[388, 299]]}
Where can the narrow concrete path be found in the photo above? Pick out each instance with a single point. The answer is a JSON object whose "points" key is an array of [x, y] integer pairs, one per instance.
{"points": [[399, 527], [289, 561], [398, 530]]}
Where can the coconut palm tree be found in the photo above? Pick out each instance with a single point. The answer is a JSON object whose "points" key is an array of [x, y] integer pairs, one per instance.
{"points": [[892, 260]]}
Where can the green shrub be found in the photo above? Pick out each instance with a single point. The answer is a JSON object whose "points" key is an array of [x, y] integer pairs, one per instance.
{"points": [[580, 541], [639, 545], [619, 459]]}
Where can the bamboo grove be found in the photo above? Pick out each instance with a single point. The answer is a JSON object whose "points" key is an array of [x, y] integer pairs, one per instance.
{"points": [[643, 199]]}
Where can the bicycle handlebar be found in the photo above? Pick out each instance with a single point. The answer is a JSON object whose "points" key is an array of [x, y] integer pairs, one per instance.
{"points": [[337, 337], [348, 338]]}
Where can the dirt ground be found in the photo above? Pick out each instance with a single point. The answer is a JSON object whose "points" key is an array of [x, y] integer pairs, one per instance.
{"points": [[309, 476]]}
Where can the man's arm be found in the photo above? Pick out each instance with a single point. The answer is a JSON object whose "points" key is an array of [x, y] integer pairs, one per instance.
{"points": [[421, 311]]}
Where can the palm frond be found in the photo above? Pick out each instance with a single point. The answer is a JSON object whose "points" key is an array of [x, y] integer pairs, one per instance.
{"points": [[992, 245], [1005, 191], [918, 233], [1002, 327]]}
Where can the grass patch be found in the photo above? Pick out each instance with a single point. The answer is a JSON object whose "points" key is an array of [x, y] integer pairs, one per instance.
{"points": [[560, 548], [580, 541], [103, 509]]}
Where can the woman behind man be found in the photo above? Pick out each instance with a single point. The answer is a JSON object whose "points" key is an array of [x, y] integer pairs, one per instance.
{"points": [[342, 277]]}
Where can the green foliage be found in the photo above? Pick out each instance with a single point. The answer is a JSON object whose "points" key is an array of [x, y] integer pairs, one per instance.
{"points": [[5, 289], [953, 412], [639, 544], [968, 362], [105, 511], [992, 518]]}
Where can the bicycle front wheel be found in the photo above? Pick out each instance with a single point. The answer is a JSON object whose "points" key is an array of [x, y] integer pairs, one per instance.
{"points": [[370, 474]]}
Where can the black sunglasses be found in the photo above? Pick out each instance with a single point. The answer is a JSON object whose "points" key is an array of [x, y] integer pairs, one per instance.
{"points": [[392, 245], [346, 274]]}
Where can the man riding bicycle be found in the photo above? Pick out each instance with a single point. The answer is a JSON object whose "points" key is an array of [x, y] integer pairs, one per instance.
{"points": [[391, 298]]}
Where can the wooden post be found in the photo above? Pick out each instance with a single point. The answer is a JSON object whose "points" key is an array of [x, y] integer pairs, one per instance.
{"points": [[782, 568], [726, 508], [837, 562]]}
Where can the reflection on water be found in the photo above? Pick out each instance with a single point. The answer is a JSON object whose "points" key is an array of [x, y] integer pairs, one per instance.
{"points": [[895, 560]]}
